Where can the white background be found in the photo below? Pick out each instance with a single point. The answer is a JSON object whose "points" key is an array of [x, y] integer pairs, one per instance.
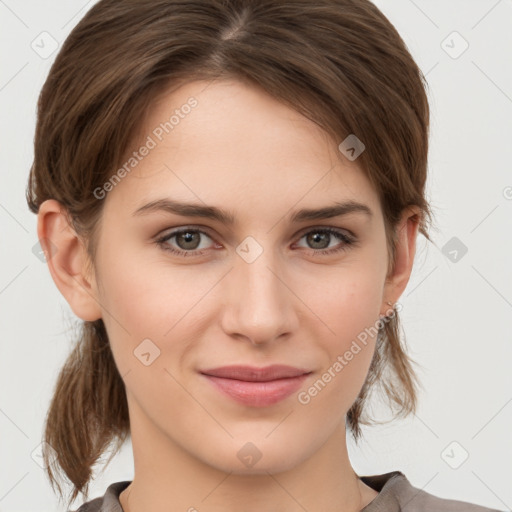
{"points": [[456, 315]]}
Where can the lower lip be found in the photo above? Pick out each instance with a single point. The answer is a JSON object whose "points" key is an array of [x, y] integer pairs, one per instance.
{"points": [[258, 394]]}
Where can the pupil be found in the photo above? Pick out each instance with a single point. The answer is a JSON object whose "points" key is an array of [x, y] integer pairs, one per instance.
{"points": [[317, 237], [188, 236]]}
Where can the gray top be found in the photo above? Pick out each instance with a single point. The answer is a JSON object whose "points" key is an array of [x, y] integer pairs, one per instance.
{"points": [[396, 494]]}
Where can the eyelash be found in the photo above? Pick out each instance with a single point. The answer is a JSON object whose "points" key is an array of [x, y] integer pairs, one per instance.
{"points": [[347, 242]]}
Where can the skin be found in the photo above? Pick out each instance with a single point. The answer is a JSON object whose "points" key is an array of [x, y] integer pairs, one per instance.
{"points": [[291, 305]]}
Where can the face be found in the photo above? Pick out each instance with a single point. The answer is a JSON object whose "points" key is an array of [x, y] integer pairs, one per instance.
{"points": [[181, 294]]}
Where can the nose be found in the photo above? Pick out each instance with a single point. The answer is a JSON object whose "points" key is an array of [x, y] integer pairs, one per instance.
{"points": [[260, 305]]}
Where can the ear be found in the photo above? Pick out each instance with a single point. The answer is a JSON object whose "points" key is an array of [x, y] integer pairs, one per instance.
{"points": [[67, 260], [406, 234]]}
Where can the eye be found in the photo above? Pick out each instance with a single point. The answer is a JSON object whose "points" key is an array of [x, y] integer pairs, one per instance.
{"points": [[187, 238], [188, 241], [319, 236]]}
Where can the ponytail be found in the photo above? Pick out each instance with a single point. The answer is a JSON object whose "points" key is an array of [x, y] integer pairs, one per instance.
{"points": [[88, 411]]}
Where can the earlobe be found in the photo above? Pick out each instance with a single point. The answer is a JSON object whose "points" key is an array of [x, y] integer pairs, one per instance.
{"points": [[407, 233], [67, 260]]}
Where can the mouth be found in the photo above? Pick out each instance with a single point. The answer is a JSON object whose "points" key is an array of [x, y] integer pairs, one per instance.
{"points": [[257, 387]]}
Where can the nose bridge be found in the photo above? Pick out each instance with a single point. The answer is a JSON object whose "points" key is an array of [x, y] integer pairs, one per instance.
{"points": [[260, 305], [257, 269]]}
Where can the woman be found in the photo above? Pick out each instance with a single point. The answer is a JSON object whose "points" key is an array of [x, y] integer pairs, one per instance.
{"points": [[229, 195]]}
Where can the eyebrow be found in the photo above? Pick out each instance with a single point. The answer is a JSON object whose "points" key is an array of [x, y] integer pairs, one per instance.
{"points": [[211, 212]]}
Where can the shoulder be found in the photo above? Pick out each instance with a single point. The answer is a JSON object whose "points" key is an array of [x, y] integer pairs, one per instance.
{"points": [[396, 493], [109, 502]]}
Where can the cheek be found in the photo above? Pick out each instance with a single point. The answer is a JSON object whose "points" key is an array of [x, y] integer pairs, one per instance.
{"points": [[347, 352], [132, 302], [146, 299], [349, 300], [139, 289], [350, 310]]}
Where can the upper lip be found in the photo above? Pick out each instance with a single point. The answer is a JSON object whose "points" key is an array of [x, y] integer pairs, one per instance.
{"points": [[254, 374]]}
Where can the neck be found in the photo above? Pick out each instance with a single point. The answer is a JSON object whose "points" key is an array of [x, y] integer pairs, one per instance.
{"points": [[169, 478]]}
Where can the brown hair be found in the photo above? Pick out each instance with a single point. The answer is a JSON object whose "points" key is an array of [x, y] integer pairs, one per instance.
{"points": [[340, 63]]}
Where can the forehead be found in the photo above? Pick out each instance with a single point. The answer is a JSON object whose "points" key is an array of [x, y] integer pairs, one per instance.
{"points": [[226, 142]]}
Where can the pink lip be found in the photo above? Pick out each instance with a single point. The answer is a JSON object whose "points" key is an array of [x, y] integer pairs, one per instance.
{"points": [[257, 387]]}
